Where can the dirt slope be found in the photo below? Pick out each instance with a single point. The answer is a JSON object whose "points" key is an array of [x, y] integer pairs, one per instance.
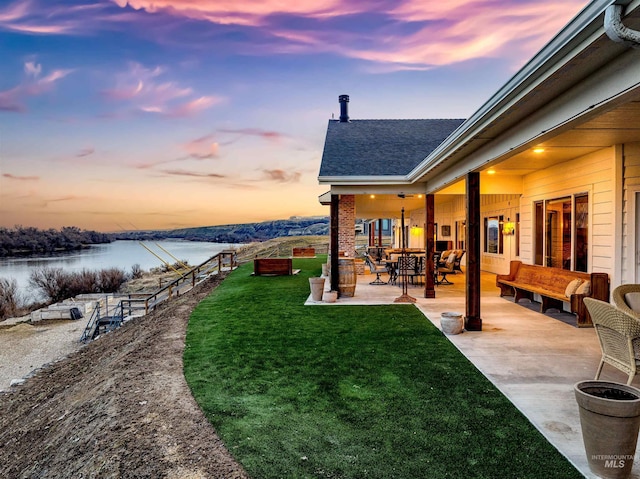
{"points": [[119, 407]]}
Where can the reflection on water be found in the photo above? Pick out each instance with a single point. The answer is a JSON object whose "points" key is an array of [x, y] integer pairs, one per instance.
{"points": [[119, 254]]}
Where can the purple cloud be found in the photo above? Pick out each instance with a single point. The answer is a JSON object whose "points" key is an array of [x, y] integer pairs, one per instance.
{"points": [[193, 174], [20, 178]]}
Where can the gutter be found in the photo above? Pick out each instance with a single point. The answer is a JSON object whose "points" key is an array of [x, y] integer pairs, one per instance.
{"points": [[616, 30]]}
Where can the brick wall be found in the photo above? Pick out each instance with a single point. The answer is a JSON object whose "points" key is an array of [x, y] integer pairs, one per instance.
{"points": [[346, 228]]}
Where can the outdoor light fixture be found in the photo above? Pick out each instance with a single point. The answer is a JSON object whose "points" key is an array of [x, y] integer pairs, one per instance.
{"points": [[372, 196], [491, 172], [508, 227], [538, 150]]}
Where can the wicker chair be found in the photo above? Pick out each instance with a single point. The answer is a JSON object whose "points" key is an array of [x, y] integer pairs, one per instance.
{"points": [[618, 296], [619, 336]]}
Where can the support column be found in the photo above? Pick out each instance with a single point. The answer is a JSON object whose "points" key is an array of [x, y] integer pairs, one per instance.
{"points": [[379, 231], [429, 247], [372, 233], [333, 242], [346, 225], [472, 320]]}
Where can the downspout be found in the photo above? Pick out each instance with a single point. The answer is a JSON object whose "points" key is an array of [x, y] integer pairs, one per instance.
{"points": [[615, 29]]}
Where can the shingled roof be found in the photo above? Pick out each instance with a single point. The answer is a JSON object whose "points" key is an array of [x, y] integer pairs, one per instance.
{"points": [[381, 147]]}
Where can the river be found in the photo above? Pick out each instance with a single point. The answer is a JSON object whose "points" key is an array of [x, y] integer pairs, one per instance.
{"points": [[119, 254]]}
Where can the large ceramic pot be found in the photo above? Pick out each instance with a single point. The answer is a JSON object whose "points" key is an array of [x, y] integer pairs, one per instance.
{"points": [[610, 419], [317, 288], [451, 323]]}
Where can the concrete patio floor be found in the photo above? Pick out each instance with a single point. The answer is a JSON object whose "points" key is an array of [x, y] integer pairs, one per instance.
{"points": [[534, 359]]}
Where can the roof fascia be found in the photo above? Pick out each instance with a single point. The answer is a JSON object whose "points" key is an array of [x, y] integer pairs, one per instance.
{"points": [[575, 37], [359, 180], [415, 189]]}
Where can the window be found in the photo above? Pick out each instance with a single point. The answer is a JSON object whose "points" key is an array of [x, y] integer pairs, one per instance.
{"points": [[561, 232], [492, 234]]}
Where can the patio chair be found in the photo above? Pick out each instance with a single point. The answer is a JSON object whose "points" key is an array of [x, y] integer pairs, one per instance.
{"points": [[459, 254], [407, 266], [619, 336], [443, 271], [626, 297], [378, 269]]}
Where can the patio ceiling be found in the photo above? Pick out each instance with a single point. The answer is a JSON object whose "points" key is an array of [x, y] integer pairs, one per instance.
{"points": [[621, 125]]}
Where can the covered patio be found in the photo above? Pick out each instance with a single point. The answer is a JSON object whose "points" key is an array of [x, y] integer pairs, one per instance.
{"points": [[534, 359]]}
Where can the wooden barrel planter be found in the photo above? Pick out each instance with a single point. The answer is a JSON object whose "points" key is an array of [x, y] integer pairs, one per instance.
{"points": [[346, 277]]}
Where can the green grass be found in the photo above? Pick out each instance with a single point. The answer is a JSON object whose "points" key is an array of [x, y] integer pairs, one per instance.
{"points": [[349, 391]]}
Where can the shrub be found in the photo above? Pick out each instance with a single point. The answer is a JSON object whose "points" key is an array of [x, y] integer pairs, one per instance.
{"points": [[57, 285], [111, 279], [50, 282], [136, 271], [9, 298]]}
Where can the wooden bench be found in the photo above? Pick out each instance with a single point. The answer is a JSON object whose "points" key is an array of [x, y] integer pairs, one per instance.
{"points": [[304, 252], [525, 280], [273, 267]]}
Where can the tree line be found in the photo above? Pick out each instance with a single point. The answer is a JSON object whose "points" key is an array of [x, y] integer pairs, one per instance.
{"points": [[21, 240]]}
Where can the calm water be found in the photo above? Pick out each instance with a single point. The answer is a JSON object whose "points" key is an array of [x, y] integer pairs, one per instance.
{"points": [[119, 254]]}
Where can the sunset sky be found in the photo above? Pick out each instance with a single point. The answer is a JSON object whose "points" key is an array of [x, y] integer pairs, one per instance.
{"points": [[143, 114]]}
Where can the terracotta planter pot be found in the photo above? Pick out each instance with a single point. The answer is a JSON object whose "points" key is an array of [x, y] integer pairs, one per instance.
{"points": [[317, 287], [610, 419]]}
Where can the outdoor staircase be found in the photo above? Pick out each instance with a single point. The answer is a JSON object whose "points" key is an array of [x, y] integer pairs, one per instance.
{"points": [[100, 324]]}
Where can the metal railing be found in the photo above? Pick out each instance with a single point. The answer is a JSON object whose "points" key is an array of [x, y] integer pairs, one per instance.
{"points": [[137, 303], [99, 323]]}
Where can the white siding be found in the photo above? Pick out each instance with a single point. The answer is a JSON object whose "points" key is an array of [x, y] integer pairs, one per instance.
{"points": [[593, 174], [450, 210], [631, 182]]}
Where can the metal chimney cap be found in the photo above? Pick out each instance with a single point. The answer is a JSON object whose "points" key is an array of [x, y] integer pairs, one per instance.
{"points": [[344, 110]]}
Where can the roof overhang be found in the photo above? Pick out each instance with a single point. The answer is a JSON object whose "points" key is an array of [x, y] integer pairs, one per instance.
{"points": [[579, 77]]}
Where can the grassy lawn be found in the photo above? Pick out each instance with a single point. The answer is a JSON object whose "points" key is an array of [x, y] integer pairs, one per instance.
{"points": [[300, 391]]}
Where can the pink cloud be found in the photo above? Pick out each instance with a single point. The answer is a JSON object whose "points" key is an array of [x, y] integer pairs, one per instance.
{"points": [[241, 12], [281, 176], [29, 16], [451, 32], [13, 99], [142, 88], [202, 148], [20, 178], [265, 134], [192, 107]]}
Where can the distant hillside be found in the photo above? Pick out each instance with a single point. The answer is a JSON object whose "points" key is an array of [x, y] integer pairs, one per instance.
{"points": [[239, 233]]}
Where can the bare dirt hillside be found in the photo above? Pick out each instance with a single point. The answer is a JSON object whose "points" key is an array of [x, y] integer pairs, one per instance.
{"points": [[119, 407]]}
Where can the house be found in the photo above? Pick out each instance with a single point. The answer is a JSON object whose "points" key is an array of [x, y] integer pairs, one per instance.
{"points": [[547, 171]]}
